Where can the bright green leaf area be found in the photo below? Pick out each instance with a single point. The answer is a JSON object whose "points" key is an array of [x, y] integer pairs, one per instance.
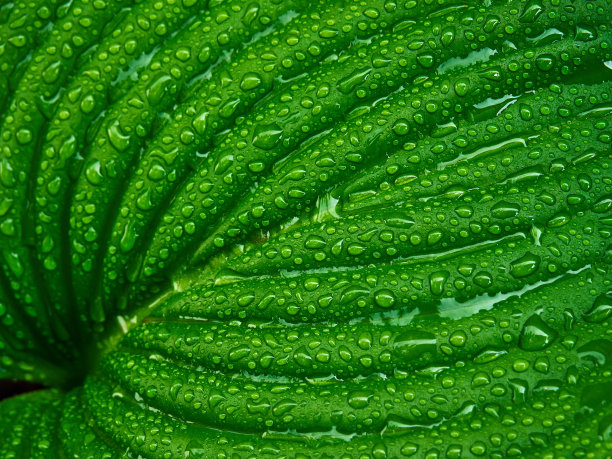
{"points": [[291, 229]]}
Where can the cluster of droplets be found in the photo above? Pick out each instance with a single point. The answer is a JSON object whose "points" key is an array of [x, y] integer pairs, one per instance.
{"points": [[489, 152], [506, 375], [352, 145], [437, 223], [233, 88], [303, 109]]}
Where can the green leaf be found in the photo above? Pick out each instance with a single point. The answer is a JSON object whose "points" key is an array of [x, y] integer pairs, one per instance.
{"points": [[306, 229]]}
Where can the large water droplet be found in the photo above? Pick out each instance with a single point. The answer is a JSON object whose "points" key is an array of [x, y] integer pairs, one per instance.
{"points": [[525, 266], [536, 334], [504, 209], [437, 281], [266, 136], [250, 80], [601, 309], [411, 345], [359, 399], [348, 83], [384, 298]]}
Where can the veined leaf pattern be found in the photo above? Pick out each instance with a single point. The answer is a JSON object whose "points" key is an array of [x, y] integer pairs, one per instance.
{"points": [[280, 228]]}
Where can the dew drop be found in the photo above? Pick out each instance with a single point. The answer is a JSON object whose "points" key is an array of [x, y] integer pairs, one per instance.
{"points": [[266, 136], [536, 334], [525, 266]]}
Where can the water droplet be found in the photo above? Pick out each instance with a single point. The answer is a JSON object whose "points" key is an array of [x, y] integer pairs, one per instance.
{"points": [[414, 344], [584, 34], [157, 89], [348, 83], [117, 138], [359, 399], [384, 298], [315, 242], [458, 338], [558, 220], [536, 334], [525, 266], [266, 136], [401, 127], [504, 209], [437, 281], [462, 86], [93, 173], [448, 36], [24, 136], [601, 309], [51, 73], [128, 239], [531, 12], [200, 123], [545, 62], [426, 60], [143, 202], [157, 171], [88, 104], [603, 205], [409, 449], [356, 249], [250, 80]]}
